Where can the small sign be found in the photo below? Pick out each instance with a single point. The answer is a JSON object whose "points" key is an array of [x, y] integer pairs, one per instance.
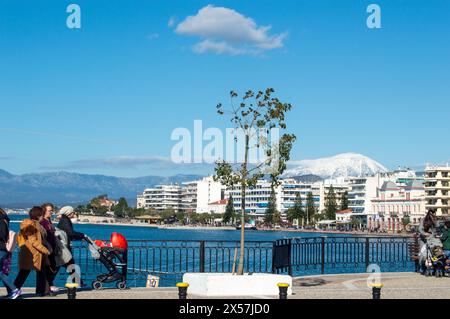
{"points": [[152, 281]]}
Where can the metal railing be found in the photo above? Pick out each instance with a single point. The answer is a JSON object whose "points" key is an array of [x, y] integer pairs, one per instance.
{"points": [[323, 255], [171, 259], [296, 256]]}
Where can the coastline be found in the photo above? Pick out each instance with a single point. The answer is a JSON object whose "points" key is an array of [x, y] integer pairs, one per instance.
{"points": [[230, 228]]}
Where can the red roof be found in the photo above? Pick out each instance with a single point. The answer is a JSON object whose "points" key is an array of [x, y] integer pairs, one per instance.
{"points": [[220, 202], [347, 211]]}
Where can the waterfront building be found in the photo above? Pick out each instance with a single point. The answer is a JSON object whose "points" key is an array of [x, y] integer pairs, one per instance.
{"points": [[397, 204], [344, 218], [163, 197], [257, 198], [188, 197], [208, 191], [437, 189], [364, 189], [218, 207], [289, 190], [140, 203], [339, 186]]}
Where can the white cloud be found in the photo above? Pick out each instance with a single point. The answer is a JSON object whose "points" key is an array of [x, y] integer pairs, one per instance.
{"points": [[171, 22], [226, 31], [217, 47]]}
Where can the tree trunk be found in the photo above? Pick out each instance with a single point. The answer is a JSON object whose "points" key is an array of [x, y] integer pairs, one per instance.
{"points": [[243, 191]]}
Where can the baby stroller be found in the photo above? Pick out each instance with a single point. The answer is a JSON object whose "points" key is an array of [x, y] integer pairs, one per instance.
{"points": [[114, 257], [435, 262]]}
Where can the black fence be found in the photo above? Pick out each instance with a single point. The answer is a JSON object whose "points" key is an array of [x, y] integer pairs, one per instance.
{"points": [[169, 260], [329, 255]]}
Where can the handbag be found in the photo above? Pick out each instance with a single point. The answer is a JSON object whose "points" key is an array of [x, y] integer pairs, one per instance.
{"points": [[6, 265], [64, 255]]}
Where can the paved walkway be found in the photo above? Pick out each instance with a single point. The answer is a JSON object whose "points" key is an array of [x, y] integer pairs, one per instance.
{"points": [[353, 286]]}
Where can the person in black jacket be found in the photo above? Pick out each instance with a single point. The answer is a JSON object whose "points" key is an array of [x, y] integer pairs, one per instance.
{"points": [[13, 292], [65, 224]]}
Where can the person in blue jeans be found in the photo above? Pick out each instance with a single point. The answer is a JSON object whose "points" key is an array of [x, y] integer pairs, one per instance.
{"points": [[13, 292]]}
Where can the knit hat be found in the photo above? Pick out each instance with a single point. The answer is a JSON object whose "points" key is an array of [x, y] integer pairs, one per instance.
{"points": [[66, 210]]}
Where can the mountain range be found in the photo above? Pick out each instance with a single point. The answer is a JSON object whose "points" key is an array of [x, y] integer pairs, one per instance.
{"points": [[64, 188], [342, 165]]}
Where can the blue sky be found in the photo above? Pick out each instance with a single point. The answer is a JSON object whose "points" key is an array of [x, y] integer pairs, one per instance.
{"points": [[105, 98]]}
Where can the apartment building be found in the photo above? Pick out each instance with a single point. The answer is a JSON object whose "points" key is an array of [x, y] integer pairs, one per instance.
{"points": [[437, 189], [188, 197], [257, 198], [162, 197]]}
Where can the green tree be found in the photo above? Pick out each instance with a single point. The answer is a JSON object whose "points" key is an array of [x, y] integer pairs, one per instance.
{"points": [[121, 209], [355, 222], [344, 201], [167, 213], [271, 209], [331, 204], [276, 218], [261, 112], [311, 210], [229, 211], [296, 212], [406, 221]]}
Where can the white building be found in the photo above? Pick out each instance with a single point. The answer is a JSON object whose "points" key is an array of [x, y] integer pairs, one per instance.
{"points": [[162, 197], [394, 202], [364, 189], [437, 188], [189, 197], [140, 201], [339, 187], [208, 191], [257, 198], [218, 207]]}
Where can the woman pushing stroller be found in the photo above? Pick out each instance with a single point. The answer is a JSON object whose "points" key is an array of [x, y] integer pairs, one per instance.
{"points": [[65, 216]]}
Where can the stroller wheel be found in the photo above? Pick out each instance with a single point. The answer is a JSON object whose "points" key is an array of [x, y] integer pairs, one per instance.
{"points": [[121, 285], [97, 285]]}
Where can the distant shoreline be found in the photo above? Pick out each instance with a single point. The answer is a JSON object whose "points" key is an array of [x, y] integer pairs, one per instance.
{"points": [[230, 228], [302, 231]]}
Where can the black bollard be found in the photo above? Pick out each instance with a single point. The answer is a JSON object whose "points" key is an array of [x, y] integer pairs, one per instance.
{"points": [[376, 291], [71, 291], [182, 290], [283, 290]]}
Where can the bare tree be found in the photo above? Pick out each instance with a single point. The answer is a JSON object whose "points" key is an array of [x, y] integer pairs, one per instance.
{"points": [[257, 113]]}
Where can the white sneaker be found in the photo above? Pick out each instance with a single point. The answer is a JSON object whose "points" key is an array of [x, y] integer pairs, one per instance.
{"points": [[15, 294]]}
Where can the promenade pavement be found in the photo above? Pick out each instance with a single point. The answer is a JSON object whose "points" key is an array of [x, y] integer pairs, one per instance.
{"points": [[351, 286]]}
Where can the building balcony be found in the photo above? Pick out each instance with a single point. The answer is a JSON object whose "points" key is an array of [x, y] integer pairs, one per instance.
{"points": [[436, 206]]}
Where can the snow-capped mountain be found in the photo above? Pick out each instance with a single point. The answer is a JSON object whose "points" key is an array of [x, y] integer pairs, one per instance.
{"points": [[342, 165]]}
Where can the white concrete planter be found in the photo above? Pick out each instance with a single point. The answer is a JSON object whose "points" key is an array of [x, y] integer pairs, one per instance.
{"points": [[227, 285]]}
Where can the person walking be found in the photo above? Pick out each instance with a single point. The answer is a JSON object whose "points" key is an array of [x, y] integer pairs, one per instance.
{"points": [[65, 215], [52, 269], [33, 253], [5, 256]]}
